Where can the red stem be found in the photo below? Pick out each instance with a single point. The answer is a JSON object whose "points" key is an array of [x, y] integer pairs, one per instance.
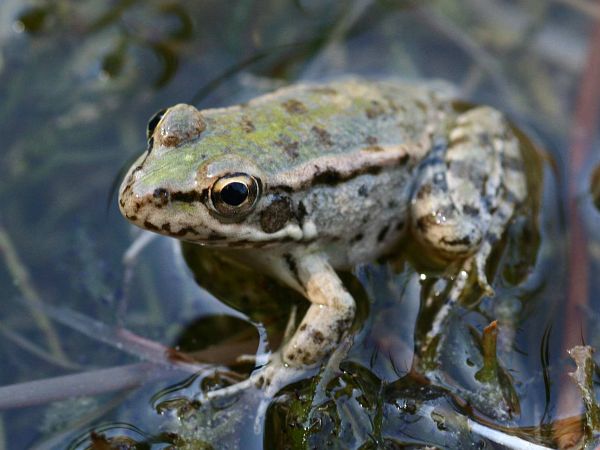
{"points": [[587, 110]]}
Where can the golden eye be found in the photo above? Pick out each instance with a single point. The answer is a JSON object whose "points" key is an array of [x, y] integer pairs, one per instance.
{"points": [[235, 195]]}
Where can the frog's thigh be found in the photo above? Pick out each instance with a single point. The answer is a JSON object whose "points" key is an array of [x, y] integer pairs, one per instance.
{"points": [[460, 184], [330, 314]]}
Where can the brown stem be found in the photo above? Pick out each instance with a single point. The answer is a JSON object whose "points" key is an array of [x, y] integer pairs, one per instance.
{"points": [[586, 117], [90, 383]]}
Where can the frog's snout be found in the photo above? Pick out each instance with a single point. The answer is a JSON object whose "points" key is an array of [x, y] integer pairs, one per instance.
{"points": [[179, 124], [172, 213]]}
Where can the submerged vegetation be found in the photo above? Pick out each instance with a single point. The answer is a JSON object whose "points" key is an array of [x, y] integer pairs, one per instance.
{"points": [[123, 349]]}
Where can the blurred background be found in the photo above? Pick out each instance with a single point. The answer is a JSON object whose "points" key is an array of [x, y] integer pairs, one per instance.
{"points": [[79, 80]]}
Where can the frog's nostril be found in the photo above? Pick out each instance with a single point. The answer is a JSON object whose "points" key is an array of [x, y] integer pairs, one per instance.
{"points": [[180, 124]]}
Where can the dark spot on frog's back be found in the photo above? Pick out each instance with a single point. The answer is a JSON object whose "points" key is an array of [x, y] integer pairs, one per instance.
{"points": [[485, 139], [383, 233], [373, 148], [324, 90], [357, 238], [323, 136], [470, 210], [328, 176], [512, 163], [275, 216], [290, 147], [375, 110], [293, 106], [247, 125]]}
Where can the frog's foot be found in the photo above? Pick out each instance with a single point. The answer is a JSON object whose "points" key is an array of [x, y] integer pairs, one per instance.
{"points": [[476, 263], [265, 381], [274, 376], [269, 378]]}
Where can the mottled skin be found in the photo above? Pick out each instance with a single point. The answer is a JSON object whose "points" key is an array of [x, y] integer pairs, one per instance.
{"points": [[334, 175]]}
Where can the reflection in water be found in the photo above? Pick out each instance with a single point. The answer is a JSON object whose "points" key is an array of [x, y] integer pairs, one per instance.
{"points": [[78, 81]]}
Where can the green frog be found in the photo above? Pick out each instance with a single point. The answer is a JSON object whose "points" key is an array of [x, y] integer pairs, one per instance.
{"points": [[315, 178]]}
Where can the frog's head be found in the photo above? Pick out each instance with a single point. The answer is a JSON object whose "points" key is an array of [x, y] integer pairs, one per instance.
{"points": [[188, 187]]}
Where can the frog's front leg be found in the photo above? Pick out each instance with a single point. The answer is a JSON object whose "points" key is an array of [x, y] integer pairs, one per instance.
{"points": [[466, 193], [330, 314]]}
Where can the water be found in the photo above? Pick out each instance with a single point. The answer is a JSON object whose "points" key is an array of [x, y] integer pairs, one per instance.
{"points": [[78, 82]]}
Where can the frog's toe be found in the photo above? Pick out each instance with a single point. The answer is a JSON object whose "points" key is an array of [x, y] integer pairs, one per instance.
{"points": [[487, 289], [274, 376], [246, 359], [482, 280]]}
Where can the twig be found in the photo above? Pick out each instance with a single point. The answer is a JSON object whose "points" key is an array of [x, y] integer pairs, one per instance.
{"points": [[507, 440], [583, 130], [163, 362], [23, 281], [36, 350], [82, 384], [456, 420], [129, 342], [122, 339]]}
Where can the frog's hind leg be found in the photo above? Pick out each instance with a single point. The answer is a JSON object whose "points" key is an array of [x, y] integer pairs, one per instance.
{"points": [[465, 195]]}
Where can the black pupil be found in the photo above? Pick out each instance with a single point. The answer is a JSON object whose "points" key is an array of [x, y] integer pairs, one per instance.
{"points": [[234, 193]]}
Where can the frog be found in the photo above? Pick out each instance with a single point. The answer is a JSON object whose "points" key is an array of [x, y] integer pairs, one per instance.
{"points": [[315, 178]]}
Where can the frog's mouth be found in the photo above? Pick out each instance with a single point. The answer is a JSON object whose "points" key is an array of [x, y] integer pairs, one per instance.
{"points": [[187, 215]]}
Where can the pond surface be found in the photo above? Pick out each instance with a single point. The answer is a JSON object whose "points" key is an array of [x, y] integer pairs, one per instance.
{"points": [[144, 343]]}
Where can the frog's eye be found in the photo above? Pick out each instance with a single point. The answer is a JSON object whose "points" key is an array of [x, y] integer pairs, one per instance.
{"points": [[235, 195], [152, 123]]}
